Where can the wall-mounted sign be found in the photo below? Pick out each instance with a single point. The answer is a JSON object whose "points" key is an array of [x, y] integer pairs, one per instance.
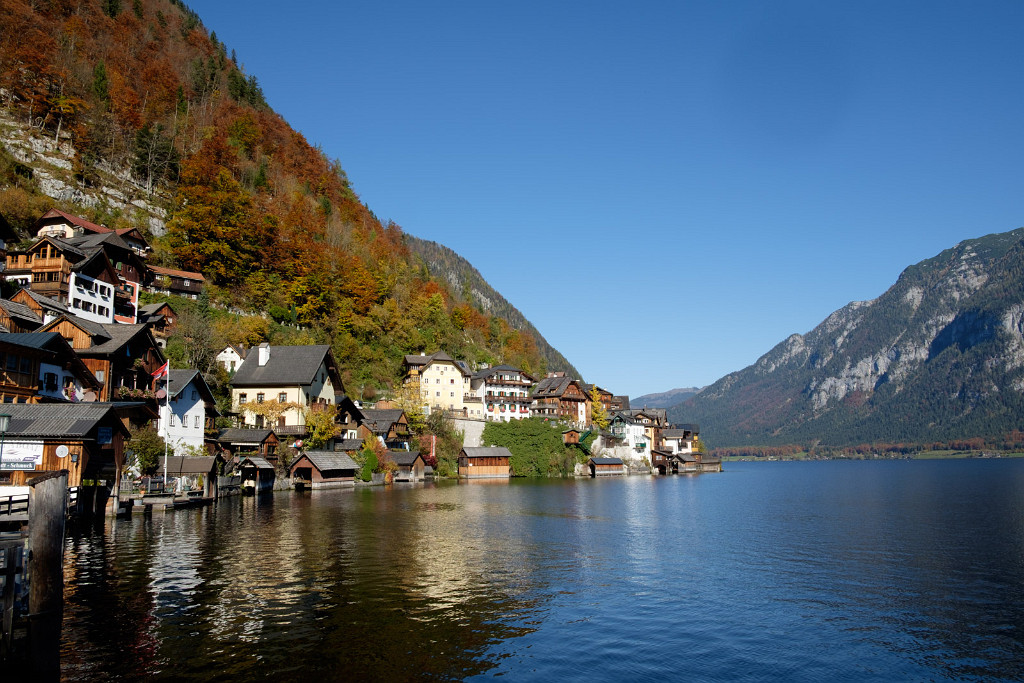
{"points": [[104, 435], [21, 455]]}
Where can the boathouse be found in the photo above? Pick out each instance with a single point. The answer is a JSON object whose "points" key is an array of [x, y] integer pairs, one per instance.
{"points": [[484, 462], [196, 474], [411, 466], [257, 474], [323, 469], [606, 467]]}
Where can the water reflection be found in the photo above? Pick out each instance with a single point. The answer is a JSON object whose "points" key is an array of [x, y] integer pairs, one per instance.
{"points": [[878, 571]]}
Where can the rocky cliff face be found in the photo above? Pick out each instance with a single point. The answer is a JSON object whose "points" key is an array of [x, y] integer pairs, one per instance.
{"points": [[939, 356]]}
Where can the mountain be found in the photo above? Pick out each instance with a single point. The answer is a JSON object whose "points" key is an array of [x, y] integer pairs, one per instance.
{"points": [[937, 357], [133, 114], [467, 282], [665, 399]]}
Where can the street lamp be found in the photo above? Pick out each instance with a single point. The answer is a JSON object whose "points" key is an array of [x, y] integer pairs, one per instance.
{"points": [[5, 423]]}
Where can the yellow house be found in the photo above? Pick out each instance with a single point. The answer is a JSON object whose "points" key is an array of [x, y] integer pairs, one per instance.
{"points": [[444, 383]]}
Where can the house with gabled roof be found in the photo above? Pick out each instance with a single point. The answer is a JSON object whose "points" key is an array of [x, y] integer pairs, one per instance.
{"points": [[559, 397], [173, 281], [389, 426], [442, 381], [503, 392], [55, 373], [17, 317], [46, 308], [231, 357], [323, 469], [129, 265], [57, 223], [485, 462], [241, 442], [86, 439], [187, 411], [122, 357], [304, 377], [161, 320]]}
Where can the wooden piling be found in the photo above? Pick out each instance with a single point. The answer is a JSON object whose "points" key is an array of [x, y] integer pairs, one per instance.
{"points": [[48, 510]]}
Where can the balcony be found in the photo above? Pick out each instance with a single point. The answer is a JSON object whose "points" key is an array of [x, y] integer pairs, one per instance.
{"points": [[507, 382]]}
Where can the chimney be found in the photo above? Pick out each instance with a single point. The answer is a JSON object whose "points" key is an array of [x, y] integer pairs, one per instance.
{"points": [[264, 354]]}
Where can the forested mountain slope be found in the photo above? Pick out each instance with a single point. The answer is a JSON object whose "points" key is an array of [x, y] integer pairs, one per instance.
{"points": [[131, 113], [937, 357]]}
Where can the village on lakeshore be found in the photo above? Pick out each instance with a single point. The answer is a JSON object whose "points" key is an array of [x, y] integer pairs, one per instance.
{"points": [[87, 388]]}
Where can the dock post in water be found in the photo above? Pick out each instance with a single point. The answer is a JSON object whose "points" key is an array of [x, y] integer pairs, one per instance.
{"points": [[48, 509]]}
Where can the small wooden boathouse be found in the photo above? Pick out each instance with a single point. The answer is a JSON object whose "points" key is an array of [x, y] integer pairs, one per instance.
{"points": [[485, 463], [323, 470], [606, 467]]}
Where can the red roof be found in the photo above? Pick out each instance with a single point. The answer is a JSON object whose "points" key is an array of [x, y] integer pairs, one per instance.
{"points": [[177, 273], [74, 220]]}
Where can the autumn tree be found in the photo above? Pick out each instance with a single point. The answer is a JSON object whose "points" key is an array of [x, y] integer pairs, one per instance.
{"points": [[598, 414]]}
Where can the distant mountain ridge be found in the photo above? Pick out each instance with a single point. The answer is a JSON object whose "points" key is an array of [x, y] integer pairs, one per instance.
{"points": [[938, 356], [664, 399], [466, 281]]}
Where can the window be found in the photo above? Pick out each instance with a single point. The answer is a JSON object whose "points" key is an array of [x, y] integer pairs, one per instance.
{"points": [[26, 365], [50, 381], [438, 393], [451, 393], [100, 375], [453, 380], [282, 397], [194, 395], [242, 398], [12, 363], [171, 420], [197, 422], [260, 396]]}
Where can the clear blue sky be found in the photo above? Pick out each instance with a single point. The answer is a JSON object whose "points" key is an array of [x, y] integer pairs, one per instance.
{"points": [[665, 189]]}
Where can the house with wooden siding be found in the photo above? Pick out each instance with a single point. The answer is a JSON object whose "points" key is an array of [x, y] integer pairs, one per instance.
{"points": [[193, 473], [485, 462], [129, 266], [323, 469], [86, 439], [411, 466], [305, 377], [389, 426], [238, 443], [172, 281], [161, 320], [41, 367], [606, 467], [257, 474], [17, 317], [559, 397], [122, 357], [44, 307]]}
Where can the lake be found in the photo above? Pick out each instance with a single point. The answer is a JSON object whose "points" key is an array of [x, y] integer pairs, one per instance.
{"points": [[788, 571]]}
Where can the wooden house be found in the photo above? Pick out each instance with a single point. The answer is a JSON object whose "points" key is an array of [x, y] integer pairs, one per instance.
{"points": [[161, 320], [257, 474], [323, 469], [44, 307], [193, 473], [410, 464], [17, 317], [559, 397], [390, 426], [41, 367], [178, 282], [86, 439], [484, 463], [239, 443], [122, 357], [605, 467], [571, 437], [129, 266]]}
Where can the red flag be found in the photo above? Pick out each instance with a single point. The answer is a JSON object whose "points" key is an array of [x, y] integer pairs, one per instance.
{"points": [[163, 370]]}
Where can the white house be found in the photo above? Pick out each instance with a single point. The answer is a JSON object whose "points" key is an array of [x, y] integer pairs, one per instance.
{"points": [[680, 439], [231, 357], [504, 393], [444, 383], [633, 434], [185, 409]]}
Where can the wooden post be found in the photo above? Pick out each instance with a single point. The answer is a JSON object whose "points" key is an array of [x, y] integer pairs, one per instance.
{"points": [[47, 512]]}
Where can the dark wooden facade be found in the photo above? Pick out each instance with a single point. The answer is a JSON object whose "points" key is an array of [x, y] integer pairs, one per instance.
{"points": [[605, 467], [323, 469]]}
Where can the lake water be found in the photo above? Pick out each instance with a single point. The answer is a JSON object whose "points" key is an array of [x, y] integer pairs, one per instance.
{"points": [[844, 571]]}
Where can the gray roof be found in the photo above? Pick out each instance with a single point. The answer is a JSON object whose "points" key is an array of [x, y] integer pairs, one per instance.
{"points": [[487, 372], [348, 444], [16, 310], [57, 419], [676, 433], [96, 240], [404, 458], [287, 366], [380, 421], [329, 460], [46, 302], [552, 386], [32, 340], [188, 464], [606, 461], [440, 357], [118, 335], [486, 452], [260, 463], [244, 437]]}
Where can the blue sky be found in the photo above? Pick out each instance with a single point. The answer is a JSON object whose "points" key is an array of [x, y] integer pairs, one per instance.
{"points": [[665, 189]]}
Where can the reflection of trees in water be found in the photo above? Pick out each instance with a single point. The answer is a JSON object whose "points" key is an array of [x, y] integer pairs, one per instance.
{"points": [[360, 584]]}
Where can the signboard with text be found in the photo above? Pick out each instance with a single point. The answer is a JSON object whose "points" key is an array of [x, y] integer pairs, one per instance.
{"points": [[21, 455]]}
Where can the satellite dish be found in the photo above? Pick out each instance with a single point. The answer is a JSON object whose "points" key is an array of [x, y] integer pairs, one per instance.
{"points": [[161, 394], [89, 397], [62, 451]]}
